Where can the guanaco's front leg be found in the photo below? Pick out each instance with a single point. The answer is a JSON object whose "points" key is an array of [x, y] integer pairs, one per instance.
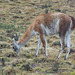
{"points": [[38, 46], [44, 42]]}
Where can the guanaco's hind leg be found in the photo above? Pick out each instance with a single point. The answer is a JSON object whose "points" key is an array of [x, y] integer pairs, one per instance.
{"points": [[44, 42], [68, 43], [62, 46], [65, 41]]}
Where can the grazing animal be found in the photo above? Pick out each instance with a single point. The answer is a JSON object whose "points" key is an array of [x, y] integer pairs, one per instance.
{"points": [[49, 24]]}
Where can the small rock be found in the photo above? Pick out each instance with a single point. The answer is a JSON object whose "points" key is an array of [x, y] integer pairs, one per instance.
{"points": [[74, 67], [26, 45], [55, 67], [15, 17], [58, 10], [26, 67], [68, 63]]}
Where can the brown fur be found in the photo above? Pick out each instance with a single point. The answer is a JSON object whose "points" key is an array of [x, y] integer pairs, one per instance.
{"points": [[47, 19], [73, 22], [26, 36], [64, 24]]}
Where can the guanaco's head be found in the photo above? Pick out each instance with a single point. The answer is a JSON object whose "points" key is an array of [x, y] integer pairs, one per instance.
{"points": [[16, 47]]}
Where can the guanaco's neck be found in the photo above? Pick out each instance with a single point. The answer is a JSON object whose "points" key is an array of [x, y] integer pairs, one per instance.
{"points": [[28, 34]]}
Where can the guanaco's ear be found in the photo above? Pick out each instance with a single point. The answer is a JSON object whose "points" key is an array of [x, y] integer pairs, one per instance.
{"points": [[14, 41]]}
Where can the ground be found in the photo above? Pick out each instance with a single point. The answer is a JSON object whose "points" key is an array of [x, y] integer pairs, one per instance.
{"points": [[15, 18]]}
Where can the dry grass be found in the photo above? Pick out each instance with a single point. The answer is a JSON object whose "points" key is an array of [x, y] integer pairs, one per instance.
{"points": [[21, 13]]}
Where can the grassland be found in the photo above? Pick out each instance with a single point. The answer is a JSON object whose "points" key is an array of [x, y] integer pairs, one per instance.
{"points": [[15, 18]]}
